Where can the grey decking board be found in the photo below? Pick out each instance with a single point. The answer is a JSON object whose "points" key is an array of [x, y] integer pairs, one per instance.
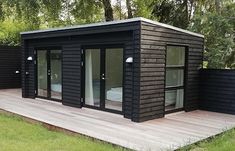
{"points": [[166, 133]]}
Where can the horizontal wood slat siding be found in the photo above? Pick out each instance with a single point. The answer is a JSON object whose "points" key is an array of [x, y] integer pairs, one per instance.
{"points": [[71, 66], [71, 43], [10, 58], [24, 51], [152, 69], [217, 90]]}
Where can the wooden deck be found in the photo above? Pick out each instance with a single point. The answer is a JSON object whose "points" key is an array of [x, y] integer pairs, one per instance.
{"points": [[169, 133]]}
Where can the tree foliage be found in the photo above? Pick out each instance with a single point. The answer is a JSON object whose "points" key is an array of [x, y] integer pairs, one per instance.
{"points": [[213, 18], [9, 32], [218, 26], [87, 11]]}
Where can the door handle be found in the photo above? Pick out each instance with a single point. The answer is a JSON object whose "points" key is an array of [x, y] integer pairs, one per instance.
{"points": [[103, 77]]}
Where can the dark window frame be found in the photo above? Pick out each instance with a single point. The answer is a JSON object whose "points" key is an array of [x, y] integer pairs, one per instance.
{"points": [[102, 48], [173, 67], [48, 49]]}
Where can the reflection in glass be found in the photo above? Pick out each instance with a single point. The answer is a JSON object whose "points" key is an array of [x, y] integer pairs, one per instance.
{"points": [[113, 78], [56, 77], [175, 56], [174, 98], [42, 73], [92, 77], [174, 77], [175, 63]]}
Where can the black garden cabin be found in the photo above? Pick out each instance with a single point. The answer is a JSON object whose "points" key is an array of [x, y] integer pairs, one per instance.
{"points": [[136, 67]]}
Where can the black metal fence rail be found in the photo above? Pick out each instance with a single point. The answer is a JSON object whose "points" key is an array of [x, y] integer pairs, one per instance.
{"points": [[217, 90], [10, 61]]}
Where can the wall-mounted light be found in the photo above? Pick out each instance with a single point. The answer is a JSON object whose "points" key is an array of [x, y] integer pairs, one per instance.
{"points": [[129, 60], [29, 58]]}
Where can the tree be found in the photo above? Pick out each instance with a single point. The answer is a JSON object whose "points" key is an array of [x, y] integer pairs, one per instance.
{"points": [[1, 11], [142, 8], [24, 10], [9, 32], [87, 11], [51, 10], [129, 9], [219, 31], [66, 14], [177, 13], [118, 12], [108, 10]]}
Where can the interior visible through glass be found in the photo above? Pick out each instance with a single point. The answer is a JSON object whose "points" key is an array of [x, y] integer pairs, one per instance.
{"points": [[92, 77], [174, 77], [175, 64], [56, 77], [42, 73], [174, 99], [113, 78]]}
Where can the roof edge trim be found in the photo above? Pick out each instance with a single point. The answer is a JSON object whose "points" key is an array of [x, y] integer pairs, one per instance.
{"points": [[171, 27], [113, 23]]}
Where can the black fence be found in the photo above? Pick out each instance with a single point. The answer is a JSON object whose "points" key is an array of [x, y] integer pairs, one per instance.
{"points": [[217, 90], [10, 65]]}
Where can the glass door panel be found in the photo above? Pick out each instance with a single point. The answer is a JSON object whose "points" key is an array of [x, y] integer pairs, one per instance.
{"points": [[55, 73], [42, 84], [92, 77], [113, 78]]}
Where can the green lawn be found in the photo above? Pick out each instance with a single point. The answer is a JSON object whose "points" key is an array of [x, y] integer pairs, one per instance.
{"points": [[18, 135], [223, 142]]}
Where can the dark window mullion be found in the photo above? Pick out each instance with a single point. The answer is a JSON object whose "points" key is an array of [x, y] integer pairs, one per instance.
{"points": [[174, 88], [174, 68]]}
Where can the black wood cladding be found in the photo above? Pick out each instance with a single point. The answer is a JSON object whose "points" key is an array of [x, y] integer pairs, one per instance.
{"points": [[217, 90], [10, 58], [152, 69]]}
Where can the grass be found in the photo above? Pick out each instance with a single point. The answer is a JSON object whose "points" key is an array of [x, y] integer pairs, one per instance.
{"points": [[222, 142], [18, 135]]}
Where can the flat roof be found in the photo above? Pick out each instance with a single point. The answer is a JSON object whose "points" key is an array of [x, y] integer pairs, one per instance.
{"points": [[113, 23]]}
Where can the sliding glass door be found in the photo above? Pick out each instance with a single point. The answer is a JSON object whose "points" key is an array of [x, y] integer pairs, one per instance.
{"points": [[49, 75], [104, 78], [175, 70]]}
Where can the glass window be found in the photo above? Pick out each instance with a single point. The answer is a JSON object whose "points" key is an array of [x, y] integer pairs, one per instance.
{"points": [[174, 99], [174, 77], [175, 64], [175, 56]]}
